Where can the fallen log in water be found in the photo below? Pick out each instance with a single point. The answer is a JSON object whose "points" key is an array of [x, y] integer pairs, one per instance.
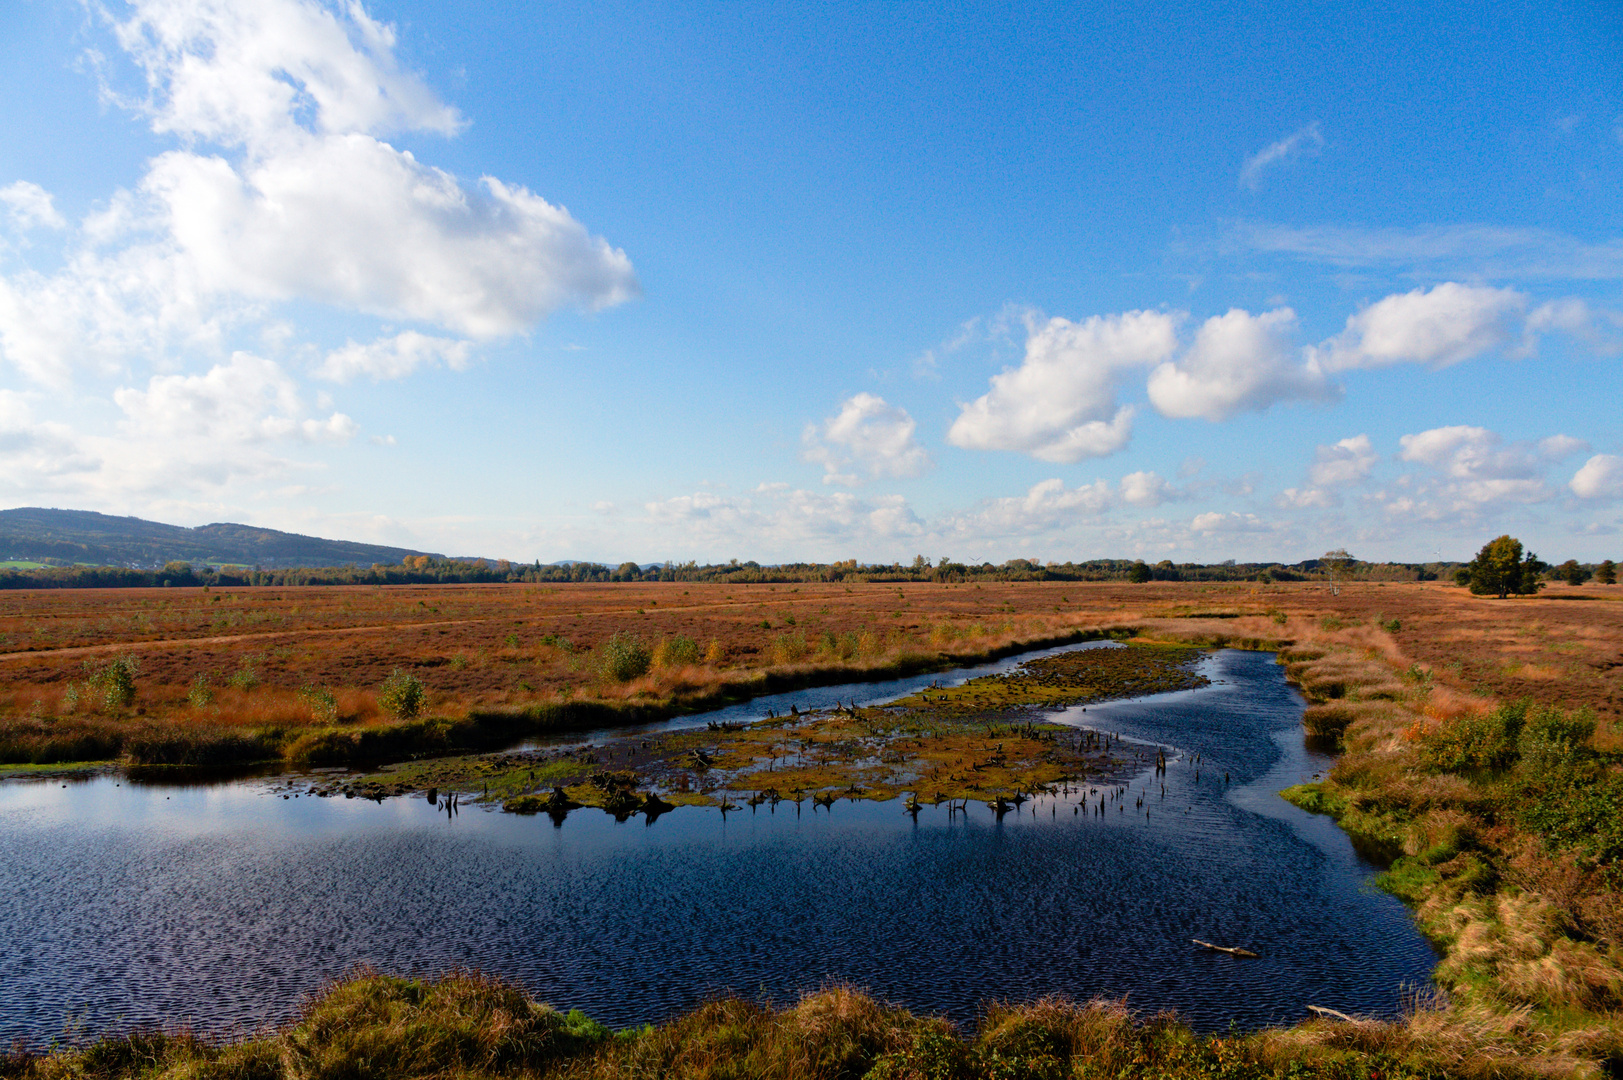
{"points": [[1331, 1014], [1230, 949]]}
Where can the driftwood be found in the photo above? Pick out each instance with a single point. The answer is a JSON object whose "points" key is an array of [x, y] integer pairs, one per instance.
{"points": [[1245, 954], [1332, 1014]]}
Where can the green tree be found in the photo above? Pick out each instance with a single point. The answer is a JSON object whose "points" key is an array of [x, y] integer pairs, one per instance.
{"points": [[1140, 573], [1571, 573], [1501, 569], [1606, 573]]}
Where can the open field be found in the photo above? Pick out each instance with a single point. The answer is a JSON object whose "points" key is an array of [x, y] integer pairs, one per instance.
{"points": [[306, 664], [1505, 821]]}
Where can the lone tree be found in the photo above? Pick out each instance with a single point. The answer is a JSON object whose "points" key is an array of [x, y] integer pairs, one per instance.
{"points": [[1140, 573], [1606, 573], [1337, 562], [1500, 569]]}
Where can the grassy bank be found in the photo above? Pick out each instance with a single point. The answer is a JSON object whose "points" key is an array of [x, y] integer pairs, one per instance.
{"points": [[216, 735], [984, 739], [1503, 824], [465, 1025]]}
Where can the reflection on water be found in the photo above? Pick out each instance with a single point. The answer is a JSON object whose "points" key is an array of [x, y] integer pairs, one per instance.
{"points": [[221, 905]]}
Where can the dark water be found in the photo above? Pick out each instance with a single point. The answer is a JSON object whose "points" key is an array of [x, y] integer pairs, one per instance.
{"points": [[221, 905]]}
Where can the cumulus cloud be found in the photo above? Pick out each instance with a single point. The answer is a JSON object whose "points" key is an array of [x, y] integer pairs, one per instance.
{"points": [[31, 206], [1336, 465], [1044, 505], [866, 439], [1146, 489], [282, 189], [1229, 522], [1297, 142], [1600, 328], [248, 400], [241, 73], [1348, 461], [1481, 468], [776, 516], [1049, 505], [1438, 327], [1601, 477], [1059, 405], [393, 357], [1306, 499], [279, 190], [1239, 362], [350, 221]]}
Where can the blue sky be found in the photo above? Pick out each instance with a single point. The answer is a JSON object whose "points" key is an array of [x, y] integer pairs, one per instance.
{"points": [[648, 281]]}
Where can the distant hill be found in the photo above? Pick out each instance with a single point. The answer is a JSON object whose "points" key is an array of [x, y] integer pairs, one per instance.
{"points": [[80, 536]]}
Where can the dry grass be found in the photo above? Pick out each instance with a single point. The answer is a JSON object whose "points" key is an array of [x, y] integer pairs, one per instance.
{"points": [[467, 1026]]}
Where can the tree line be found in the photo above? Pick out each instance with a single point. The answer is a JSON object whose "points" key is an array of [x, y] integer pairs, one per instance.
{"points": [[431, 570]]}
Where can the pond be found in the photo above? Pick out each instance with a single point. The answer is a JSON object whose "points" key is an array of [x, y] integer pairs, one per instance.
{"points": [[220, 905]]}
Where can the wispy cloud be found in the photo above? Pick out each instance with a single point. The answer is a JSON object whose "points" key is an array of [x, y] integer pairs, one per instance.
{"points": [[1297, 142], [1481, 251]]}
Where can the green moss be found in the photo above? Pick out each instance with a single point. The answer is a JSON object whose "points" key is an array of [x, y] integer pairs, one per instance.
{"points": [[1315, 799]]}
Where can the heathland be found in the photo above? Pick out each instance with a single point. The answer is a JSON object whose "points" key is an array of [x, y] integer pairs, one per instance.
{"points": [[1479, 749]]}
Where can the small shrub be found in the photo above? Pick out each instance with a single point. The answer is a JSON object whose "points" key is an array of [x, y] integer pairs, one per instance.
{"points": [[201, 694], [678, 651], [244, 678], [323, 706], [113, 682], [511, 641], [715, 652], [401, 695], [623, 658], [1477, 741], [789, 648]]}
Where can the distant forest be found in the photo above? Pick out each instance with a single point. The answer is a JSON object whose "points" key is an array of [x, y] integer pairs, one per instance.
{"points": [[85, 550], [430, 570]]}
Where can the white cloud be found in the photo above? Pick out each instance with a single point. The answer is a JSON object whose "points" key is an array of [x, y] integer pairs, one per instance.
{"points": [[1346, 462], [1146, 489], [1441, 326], [1479, 251], [393, 357], [1059, 405], [31, 206], [1239, 362], [242, 74], [248, 400], [301, 202], [1481, 469], [351, 221], [1044, 505], [1307, 499], [1601, 329], [867, 438], [1230, 522], [778, 517], [1297, 142], [1601, 477]]}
